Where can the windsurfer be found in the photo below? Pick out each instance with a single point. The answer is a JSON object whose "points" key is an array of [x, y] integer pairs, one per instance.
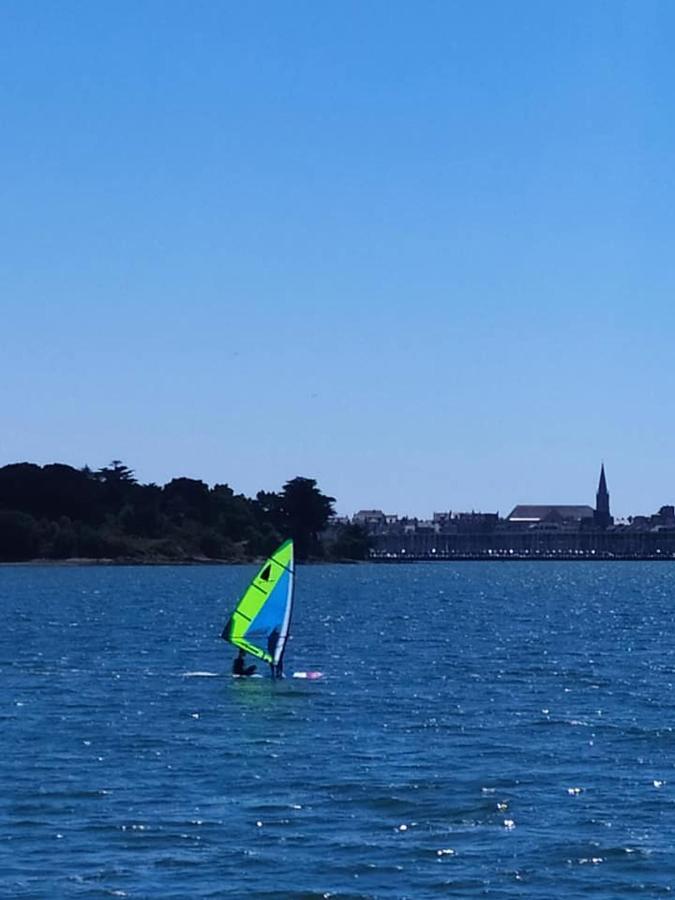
{"points": [[238, 667], [272, 641], [261, 620]]}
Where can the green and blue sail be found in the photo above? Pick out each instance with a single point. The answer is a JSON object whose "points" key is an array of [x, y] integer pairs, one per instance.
{"points": [[261, 621]]}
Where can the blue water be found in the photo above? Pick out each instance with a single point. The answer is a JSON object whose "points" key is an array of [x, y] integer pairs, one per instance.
{"points": [[497, 730]]}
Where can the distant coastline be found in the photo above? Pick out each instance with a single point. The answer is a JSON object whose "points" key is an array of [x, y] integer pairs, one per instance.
{"points": [[79, 562], [530, 532], [59, 514]]}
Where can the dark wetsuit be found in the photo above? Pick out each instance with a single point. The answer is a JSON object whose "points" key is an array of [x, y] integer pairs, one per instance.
{"points": [[238, 667], [272, 641]]}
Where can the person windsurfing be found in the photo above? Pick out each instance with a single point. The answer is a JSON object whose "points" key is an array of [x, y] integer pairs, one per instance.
{"points": [[272, 641], [238, 667]]}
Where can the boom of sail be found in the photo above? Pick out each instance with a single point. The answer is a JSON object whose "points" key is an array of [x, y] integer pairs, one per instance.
{"points": [[260, 623]]}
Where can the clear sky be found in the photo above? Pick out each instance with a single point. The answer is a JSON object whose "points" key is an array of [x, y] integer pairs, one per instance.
{"points": [[422, 252]]}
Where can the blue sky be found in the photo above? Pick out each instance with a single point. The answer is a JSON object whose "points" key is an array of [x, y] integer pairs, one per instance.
{"points": [[420, 252]]}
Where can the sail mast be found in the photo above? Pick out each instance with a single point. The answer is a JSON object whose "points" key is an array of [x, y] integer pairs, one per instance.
{"points": [[286, 624]]}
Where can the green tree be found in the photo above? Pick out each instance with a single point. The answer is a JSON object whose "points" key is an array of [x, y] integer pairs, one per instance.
{"points": [[117, 483], [304, 513], [115, 473], [269, 510], [18, 536], [234, 514], [141, 515], [353, 542], [187, 498], [63, 539]]}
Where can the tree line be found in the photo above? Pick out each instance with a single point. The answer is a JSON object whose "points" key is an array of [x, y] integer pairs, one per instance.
{"points": [[61, 512]]}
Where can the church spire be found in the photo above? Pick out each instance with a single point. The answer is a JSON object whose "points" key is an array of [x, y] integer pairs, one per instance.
{"points": [[602, 515]]}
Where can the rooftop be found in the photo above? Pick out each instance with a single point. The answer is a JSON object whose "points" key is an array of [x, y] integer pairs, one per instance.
{"points": [[534, 513]]}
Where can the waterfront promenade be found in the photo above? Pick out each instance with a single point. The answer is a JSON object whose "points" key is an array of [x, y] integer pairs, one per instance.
{"points": [[571, 545]]}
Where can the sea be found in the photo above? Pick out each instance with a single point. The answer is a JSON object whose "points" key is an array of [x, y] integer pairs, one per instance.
{"points": [[482, 729]]}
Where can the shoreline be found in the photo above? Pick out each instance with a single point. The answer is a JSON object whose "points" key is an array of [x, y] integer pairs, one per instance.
{"points": [[83, 562], [79, 562]]}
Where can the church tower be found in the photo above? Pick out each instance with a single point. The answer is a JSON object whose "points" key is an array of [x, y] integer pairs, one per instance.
{"points": [[602, 515]]}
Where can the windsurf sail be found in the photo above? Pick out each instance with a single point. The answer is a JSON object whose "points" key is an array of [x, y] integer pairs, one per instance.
{"points": [[260, 623]]}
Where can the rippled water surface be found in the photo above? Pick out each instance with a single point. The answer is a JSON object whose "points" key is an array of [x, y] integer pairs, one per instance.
{"points": [[482, 729]]}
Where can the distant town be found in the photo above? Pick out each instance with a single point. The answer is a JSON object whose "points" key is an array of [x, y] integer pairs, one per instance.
{"points": [[530, 531]]}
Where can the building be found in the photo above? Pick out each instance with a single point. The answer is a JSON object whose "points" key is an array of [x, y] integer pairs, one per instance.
{"points": [[375, 520], [561, 514], [369, 517]]}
